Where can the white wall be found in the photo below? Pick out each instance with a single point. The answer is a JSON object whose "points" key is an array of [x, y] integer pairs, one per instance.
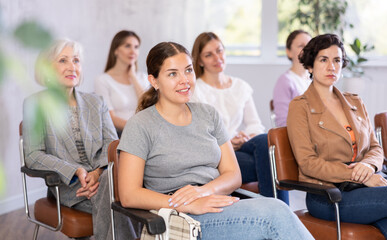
{"points": [[94, 23]]}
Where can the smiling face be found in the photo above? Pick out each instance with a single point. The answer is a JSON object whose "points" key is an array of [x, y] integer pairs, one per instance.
{"points": [[176, 79], [127, 52], [68, 68], [297, 45], [213, 57], [327, 66]]}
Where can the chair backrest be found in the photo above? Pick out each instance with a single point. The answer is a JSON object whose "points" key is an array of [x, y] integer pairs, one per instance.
{"points": [[281, 154], [271, 105], [381, 130], [113, 158]]}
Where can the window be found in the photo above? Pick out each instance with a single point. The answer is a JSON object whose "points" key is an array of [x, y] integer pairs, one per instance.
{"points": [[286, 8], [369, 20], [367, 16], [241, 25], [238, 24]]}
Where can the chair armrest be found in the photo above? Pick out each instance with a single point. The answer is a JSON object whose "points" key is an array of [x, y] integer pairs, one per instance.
{"points": [[51, 178], [154, 223], [333, 193], [243, 194]]}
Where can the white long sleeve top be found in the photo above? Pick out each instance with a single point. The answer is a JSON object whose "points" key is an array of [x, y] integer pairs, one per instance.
{"points": [[121, 98], [234, 104]]}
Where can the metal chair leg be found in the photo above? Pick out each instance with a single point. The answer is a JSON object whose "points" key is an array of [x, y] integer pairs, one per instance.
{"points": [[113, 225], [338, 221], [36, 231], [111, 195], [273, 170]]}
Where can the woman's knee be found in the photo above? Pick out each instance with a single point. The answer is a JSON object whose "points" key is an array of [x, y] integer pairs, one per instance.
{"points": [[269, 207]]}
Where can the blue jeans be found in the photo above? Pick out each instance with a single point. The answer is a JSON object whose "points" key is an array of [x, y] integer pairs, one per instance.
{"points": [[254, 162], [362, 205], [256, 218]]}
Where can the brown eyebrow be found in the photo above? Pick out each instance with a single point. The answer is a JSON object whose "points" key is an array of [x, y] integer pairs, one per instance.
{"points": [[173, 69], [218, 48], [328, 57]]}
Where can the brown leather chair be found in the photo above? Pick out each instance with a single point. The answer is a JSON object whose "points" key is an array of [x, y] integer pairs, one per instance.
{"points": [[48, 211], [285, 176], [381, 133], [153, 222], [251, 186]]}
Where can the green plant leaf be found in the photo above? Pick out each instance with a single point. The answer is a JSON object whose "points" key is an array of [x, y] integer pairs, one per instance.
{"points": [[355, 48], [361, 59], [33, 35], [357, 43]]}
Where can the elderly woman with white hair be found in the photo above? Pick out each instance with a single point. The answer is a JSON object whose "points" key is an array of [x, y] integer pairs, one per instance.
{"points": [[76, 149]]}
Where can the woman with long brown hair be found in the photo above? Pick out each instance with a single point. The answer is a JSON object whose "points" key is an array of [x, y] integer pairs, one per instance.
{"points": [[233, 98], [122, 85], [177, 154]]}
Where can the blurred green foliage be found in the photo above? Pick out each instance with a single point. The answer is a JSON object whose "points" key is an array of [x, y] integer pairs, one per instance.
{"points": [[2, 66], [32, 36], [354, 65], [322, 16]]}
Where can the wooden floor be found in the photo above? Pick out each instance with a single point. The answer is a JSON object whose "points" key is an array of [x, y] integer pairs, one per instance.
{"points": [[14, 226]]}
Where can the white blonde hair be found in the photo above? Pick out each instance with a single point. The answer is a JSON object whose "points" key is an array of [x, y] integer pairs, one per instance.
{"points": [[43, 69]]}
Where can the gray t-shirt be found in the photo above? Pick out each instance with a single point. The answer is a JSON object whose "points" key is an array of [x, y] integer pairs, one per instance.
{"points": [[176, 156]]}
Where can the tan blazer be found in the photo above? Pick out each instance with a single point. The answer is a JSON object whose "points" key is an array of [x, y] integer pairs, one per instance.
{"points": [[321, 145]]}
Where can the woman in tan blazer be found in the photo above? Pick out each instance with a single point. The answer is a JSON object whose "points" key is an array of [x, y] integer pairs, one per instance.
{"points": [[333, 139]]}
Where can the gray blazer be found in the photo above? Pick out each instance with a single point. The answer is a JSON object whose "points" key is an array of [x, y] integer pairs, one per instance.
{"points": [[55, 149]]}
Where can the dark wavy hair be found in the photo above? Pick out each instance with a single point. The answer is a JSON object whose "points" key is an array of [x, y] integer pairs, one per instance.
{"points": [[155, 59], [311, 50]]}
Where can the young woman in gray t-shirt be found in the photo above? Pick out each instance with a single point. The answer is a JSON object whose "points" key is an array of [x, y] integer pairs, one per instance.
{"points": [[176, 154]]}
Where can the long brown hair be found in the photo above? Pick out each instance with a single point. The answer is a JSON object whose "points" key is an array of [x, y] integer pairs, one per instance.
{"points": [[117, 41], [155, 59], [197, 49]]}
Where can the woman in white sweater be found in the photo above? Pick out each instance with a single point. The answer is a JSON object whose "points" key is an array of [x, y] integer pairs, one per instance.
{"points": [[121, 85], [232, 98]]}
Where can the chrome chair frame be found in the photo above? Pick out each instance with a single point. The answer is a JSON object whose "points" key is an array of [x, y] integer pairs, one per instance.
{"points": [[378, 133], [332, 193], [26, 171], [272, 114]]}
